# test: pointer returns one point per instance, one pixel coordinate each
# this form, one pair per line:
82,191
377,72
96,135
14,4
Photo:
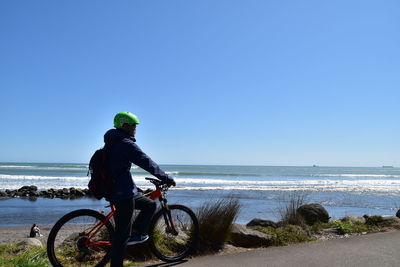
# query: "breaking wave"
359,185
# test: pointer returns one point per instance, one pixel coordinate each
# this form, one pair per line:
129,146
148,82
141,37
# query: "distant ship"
387,166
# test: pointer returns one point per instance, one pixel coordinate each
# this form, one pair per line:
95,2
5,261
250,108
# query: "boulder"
34,194
58,193
11,193
32,188
79,193
65,191
87,192
353,218
31,241
241,236
22,194
24,189
47,194
262,222
381,219
313,213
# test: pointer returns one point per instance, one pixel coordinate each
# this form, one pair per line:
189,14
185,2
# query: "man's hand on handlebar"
171,182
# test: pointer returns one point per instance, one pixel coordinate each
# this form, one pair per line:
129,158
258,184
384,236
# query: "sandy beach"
15,234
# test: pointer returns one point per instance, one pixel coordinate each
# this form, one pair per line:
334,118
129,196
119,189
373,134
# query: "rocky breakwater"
32,192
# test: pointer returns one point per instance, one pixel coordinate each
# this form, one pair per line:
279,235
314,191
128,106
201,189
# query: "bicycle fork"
169,221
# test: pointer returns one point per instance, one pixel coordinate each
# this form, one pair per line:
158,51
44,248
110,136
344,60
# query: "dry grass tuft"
215,221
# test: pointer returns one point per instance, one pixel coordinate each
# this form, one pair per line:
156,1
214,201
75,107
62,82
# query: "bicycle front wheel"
73,240
173,233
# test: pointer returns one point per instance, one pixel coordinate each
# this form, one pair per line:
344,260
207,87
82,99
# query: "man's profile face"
132,129
129,128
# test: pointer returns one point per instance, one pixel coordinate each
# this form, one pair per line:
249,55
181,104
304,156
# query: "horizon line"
237,165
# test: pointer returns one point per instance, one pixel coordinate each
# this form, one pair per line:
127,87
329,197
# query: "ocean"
263,191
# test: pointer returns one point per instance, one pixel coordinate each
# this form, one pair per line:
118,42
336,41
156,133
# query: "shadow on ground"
166,264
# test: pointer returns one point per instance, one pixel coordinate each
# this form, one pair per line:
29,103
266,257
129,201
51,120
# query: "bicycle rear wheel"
173,233
67,244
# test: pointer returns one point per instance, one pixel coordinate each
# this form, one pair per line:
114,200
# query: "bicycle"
84,236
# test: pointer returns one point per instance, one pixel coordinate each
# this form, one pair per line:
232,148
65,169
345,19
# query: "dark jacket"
121,153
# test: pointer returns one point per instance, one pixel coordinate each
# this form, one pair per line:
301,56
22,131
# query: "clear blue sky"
213,82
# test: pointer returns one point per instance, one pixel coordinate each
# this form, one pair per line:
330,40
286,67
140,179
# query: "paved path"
372,250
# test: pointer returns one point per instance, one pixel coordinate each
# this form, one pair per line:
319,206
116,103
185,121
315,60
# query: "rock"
24,188
51,193
34,194
313,213
241,236
79,193
262,222
59,193
47,194
31,242
22,194
353,218
398,213
390,219
3,194
32,188
12,193
65,191
87,192
330,231
381,219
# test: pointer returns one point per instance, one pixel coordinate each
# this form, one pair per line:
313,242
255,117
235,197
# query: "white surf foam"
344,185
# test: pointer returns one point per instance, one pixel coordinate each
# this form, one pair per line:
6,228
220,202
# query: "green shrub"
285,235
350,227
342,227
215,221
319,226
21,256
376,220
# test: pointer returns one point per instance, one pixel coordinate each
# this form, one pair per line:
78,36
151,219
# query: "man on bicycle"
121,153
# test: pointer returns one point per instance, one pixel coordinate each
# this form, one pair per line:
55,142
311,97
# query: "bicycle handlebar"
158,183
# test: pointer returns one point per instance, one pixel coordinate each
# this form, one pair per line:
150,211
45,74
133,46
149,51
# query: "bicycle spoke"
76,244
172,242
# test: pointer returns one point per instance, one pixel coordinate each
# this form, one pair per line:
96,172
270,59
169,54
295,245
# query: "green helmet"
125,117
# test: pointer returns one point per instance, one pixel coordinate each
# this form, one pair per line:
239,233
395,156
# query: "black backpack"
101,183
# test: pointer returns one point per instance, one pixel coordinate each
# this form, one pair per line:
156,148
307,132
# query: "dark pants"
147,208
123,224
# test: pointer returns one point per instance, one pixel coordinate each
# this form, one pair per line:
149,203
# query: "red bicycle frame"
90,243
